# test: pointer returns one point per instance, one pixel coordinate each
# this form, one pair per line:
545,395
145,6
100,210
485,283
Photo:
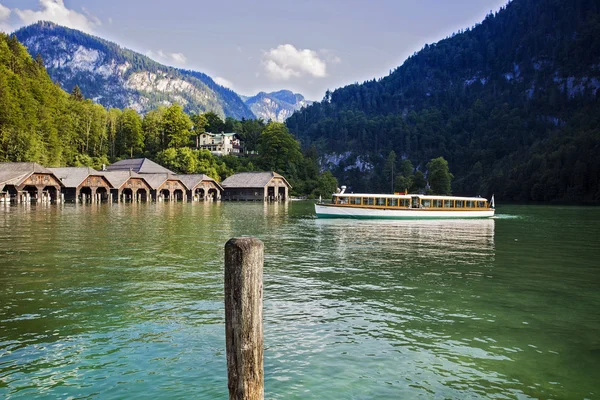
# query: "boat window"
437,203
426,203
392,202
470,204
380,201
448,203
342,200
368,201
404,202
460,203
355,200
481,204
415,202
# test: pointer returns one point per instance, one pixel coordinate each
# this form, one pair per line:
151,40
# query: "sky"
307,46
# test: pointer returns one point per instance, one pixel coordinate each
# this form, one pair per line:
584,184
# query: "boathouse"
256,186
201,187
139,166
166,187
83,184
128,186
27,181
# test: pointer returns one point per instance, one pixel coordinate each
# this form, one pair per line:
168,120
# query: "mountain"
121,78
513,104
276,106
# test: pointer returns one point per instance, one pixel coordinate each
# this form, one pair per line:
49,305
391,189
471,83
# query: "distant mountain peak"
276,106
117,77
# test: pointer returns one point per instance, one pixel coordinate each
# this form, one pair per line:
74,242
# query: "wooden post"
243,318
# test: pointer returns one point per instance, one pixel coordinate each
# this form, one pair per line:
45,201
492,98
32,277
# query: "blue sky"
307,46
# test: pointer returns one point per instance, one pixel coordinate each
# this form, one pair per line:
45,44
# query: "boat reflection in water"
441,238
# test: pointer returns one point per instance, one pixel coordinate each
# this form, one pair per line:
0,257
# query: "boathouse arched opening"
12,192
282,193
213,194
178,195
199,194
86,194
127,194
102,193
32,191
165,194
52,193
142,194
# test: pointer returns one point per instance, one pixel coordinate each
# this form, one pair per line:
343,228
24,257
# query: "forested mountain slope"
120,78
512,104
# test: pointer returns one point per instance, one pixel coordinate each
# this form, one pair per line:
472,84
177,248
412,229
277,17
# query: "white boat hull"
330,211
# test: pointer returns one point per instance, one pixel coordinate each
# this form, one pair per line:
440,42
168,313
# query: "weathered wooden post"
243,318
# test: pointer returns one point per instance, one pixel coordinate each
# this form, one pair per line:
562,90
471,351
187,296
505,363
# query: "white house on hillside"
219,143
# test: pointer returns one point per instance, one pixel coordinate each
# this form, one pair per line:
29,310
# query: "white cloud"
179,58
223,82
330,56
168,58
285,62
4,14
55,11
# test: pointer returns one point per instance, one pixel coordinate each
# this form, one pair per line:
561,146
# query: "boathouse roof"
72,177
251,180
119,178
156,180
193,180
15,173
140,166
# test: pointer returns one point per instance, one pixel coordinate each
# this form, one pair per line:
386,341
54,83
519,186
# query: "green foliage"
214,123
129,136
176,126
278,150
439,176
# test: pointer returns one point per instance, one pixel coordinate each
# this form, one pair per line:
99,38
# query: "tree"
76,93
418,182
214,123
154,133
389,170
439,176
326,185
176,126
278,149
130,133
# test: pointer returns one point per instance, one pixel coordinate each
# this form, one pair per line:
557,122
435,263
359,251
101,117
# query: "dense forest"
40,122
512,104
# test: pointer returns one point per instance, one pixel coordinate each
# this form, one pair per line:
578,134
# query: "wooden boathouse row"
131,180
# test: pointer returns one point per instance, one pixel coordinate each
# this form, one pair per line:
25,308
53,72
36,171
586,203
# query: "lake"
126,301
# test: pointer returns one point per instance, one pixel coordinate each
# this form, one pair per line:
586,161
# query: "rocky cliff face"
276,106
117,77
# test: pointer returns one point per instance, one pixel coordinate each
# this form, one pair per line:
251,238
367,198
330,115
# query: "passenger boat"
404,206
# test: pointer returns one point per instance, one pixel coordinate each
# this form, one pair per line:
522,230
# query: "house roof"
221,134
193,180
118,178
74,176
140,166
15,173
251,180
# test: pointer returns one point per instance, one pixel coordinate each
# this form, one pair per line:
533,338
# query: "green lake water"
126,301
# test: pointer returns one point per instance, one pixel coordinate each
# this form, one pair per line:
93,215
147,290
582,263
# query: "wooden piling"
243,318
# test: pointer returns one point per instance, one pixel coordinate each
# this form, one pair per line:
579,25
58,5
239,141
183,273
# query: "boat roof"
408,196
